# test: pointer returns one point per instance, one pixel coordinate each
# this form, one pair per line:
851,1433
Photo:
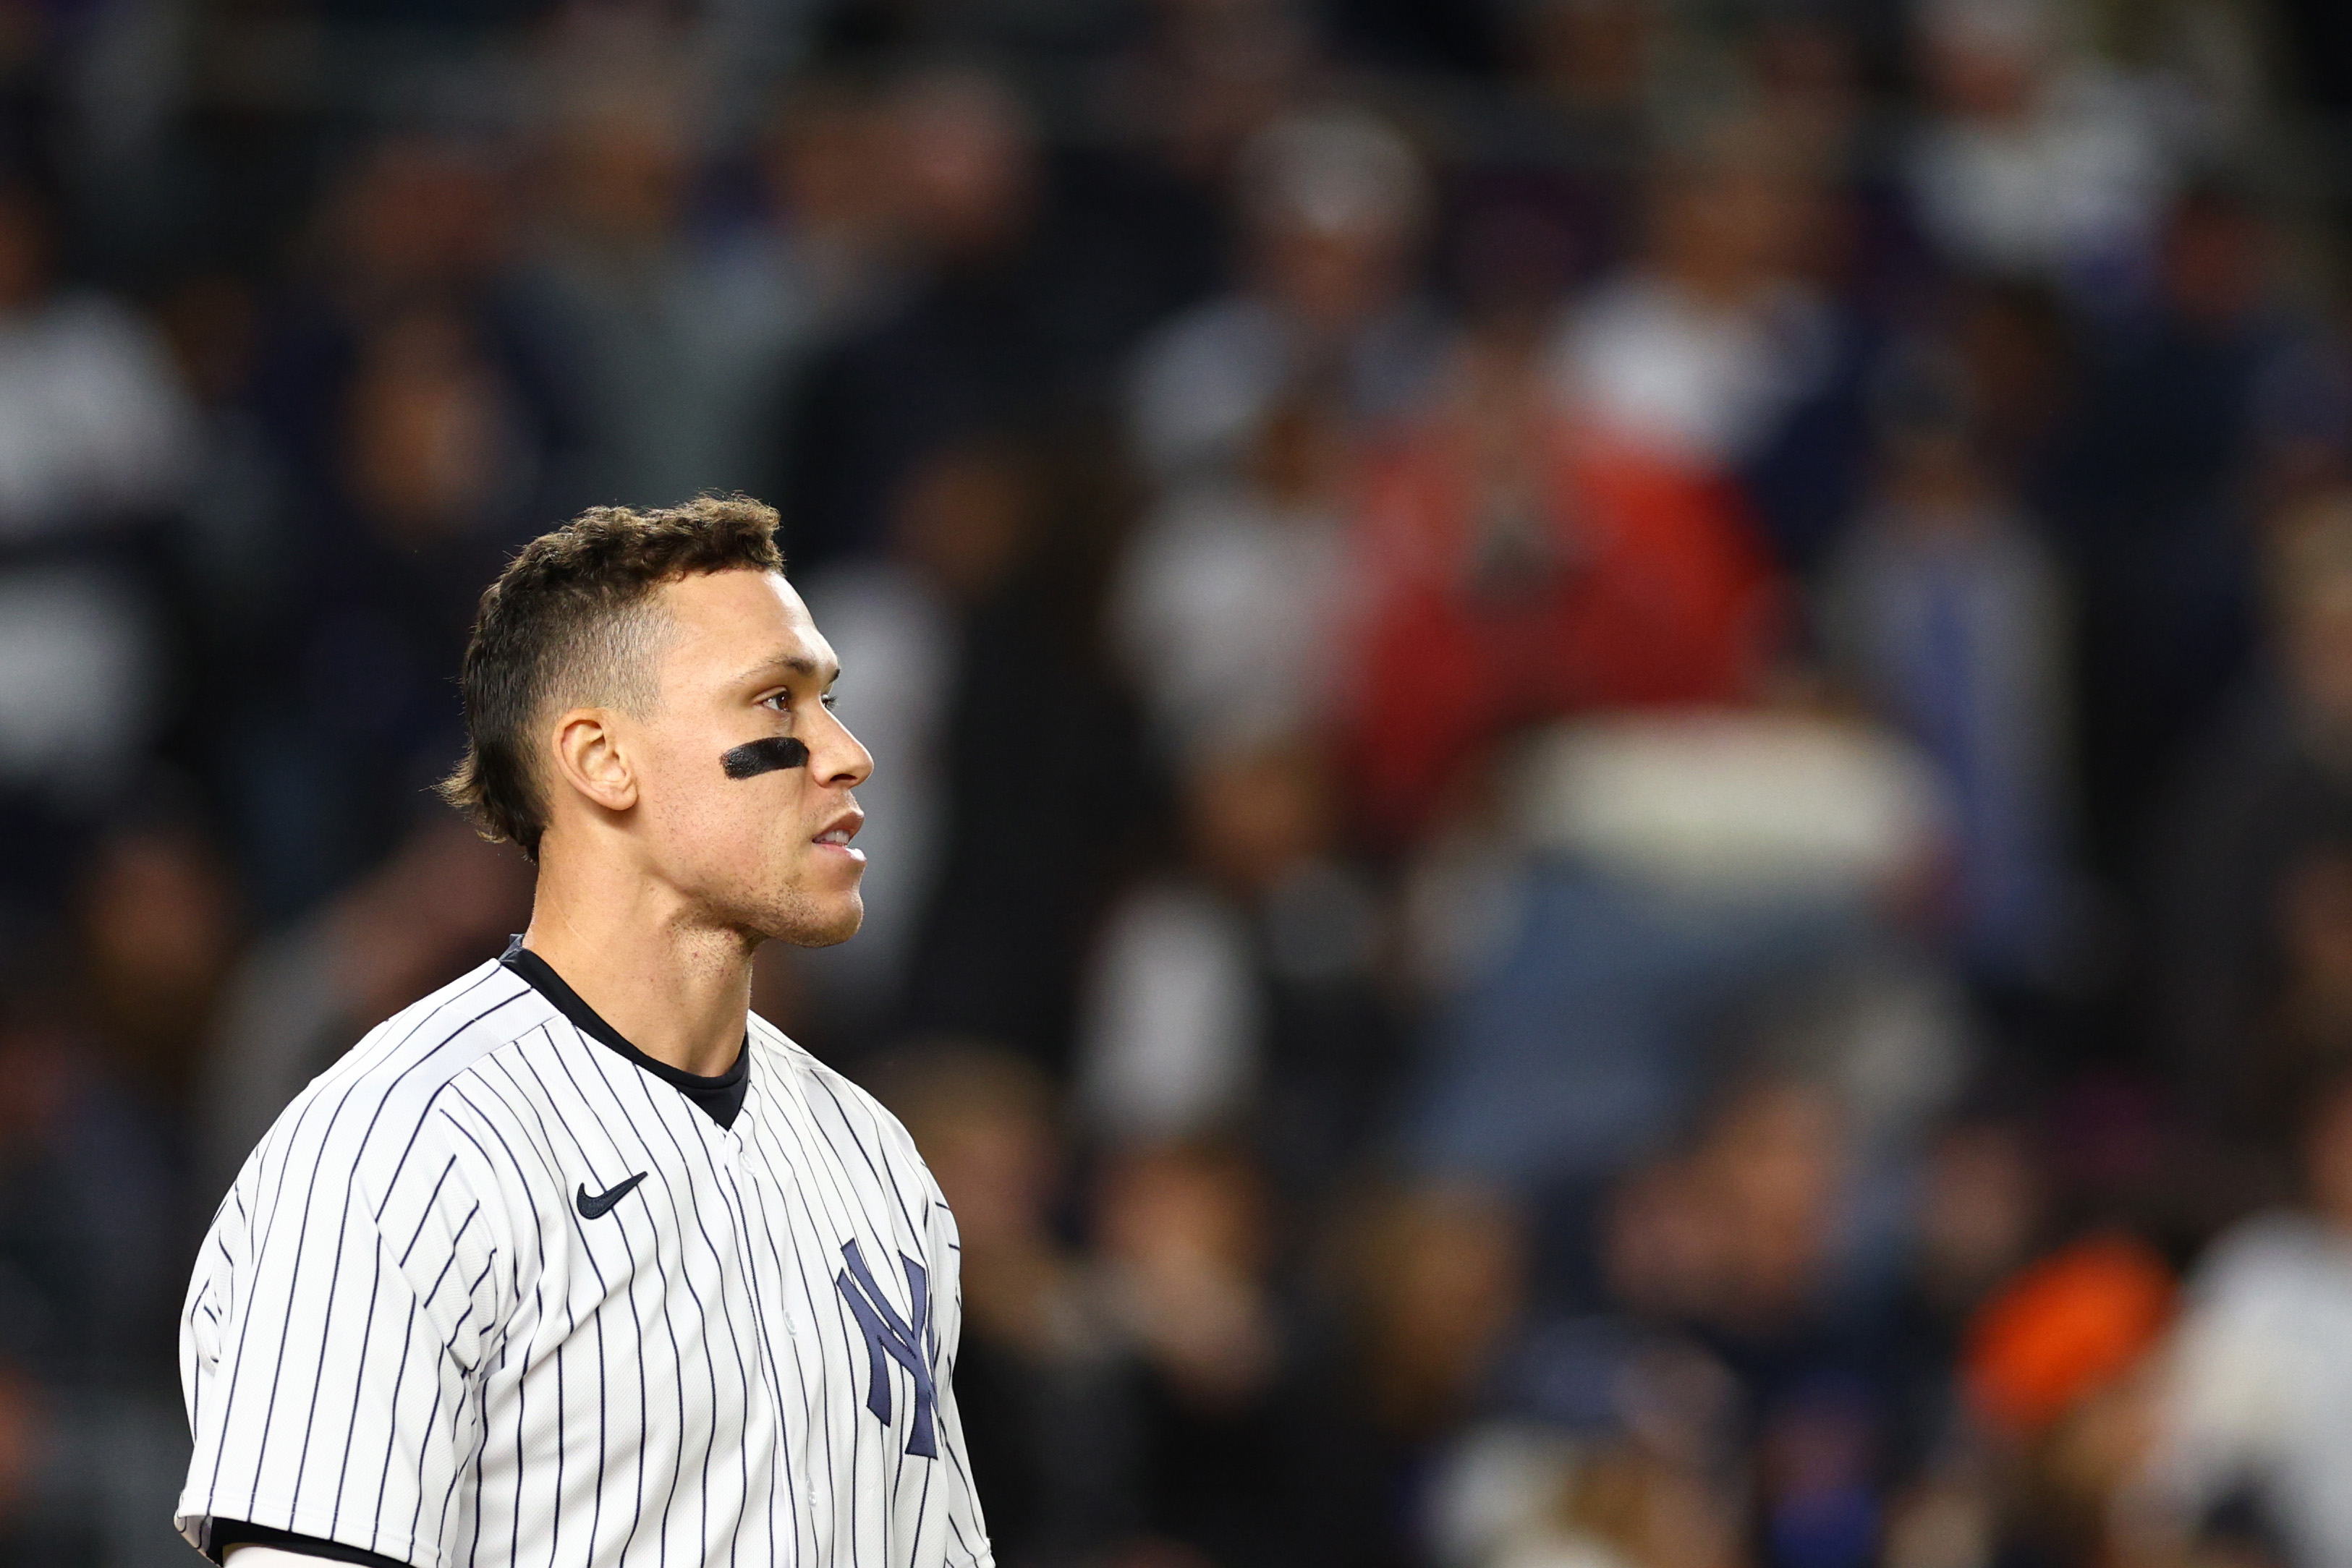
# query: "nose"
837,760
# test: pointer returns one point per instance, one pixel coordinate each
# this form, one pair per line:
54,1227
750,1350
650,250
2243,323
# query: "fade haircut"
572,623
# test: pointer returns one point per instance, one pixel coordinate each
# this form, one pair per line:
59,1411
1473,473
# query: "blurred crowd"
1613,815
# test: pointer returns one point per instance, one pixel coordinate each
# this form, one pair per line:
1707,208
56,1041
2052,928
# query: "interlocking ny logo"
888,1338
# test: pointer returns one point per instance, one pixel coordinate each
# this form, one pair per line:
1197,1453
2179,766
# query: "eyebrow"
797,664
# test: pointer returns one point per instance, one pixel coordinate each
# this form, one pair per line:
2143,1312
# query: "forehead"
725,624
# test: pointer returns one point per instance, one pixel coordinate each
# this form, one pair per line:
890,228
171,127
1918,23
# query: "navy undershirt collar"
719,1098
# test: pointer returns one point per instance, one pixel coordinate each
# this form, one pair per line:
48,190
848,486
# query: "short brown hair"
571,621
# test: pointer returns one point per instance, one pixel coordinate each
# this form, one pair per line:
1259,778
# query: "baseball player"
576,1262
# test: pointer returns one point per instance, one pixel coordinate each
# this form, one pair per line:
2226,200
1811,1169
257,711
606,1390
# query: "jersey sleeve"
335,1334
966,1544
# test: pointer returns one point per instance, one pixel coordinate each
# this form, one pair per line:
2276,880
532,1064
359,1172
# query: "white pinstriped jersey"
425,1325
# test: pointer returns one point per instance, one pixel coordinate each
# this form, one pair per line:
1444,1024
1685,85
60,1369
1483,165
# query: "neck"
676,986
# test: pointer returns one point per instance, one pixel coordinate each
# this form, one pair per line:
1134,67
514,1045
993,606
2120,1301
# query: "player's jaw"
812,873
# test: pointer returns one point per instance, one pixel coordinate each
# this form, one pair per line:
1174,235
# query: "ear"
591,759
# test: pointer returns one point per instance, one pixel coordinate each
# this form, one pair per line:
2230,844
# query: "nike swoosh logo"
602,1204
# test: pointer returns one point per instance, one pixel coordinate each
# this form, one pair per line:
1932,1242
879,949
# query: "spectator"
2062,1372
433,458
1333,207
2036,161
1596,64
2153,500
1659,880
1233,600
1707,352
159,928
1949,616
989,333
96,447
2251,1406
665,356
1241,995
1205,76
1437,1280
1003,716
1186,1240
964,525
414,223
2269,791
1524,565
755,306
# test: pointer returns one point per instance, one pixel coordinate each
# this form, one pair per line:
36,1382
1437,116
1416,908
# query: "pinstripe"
351,1428
821,1413
637,1517
384,1476
669,1500
425,1210
603,1291
725,1312
778,1452
725,1316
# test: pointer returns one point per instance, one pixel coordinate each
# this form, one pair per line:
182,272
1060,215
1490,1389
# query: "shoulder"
370,1110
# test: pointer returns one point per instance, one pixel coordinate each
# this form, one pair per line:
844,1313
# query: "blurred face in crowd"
158,933
1983,60
995,1160
1978,1215
963,519
1724,225
1740,1230
24,250
1777,1158
983,1118
767,855
966,166
418,217
1187,1226
2315,920
1592,56
2312,574
431,440
2327,1152
1229,67
1443,1278
1334,278
620,170
2216,260
1173,1209
1300,459
1259,813
820,163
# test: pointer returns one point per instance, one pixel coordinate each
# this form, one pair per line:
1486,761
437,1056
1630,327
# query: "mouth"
839,831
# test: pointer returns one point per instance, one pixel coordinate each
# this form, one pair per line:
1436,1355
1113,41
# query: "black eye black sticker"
754,758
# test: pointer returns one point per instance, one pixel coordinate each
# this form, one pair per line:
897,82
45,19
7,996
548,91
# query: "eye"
780,702
830,699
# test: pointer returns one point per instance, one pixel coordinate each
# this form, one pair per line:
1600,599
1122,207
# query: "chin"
815,923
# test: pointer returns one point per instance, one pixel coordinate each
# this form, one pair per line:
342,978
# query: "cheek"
704,806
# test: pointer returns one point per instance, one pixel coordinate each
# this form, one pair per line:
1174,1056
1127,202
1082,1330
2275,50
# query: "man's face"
768,855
